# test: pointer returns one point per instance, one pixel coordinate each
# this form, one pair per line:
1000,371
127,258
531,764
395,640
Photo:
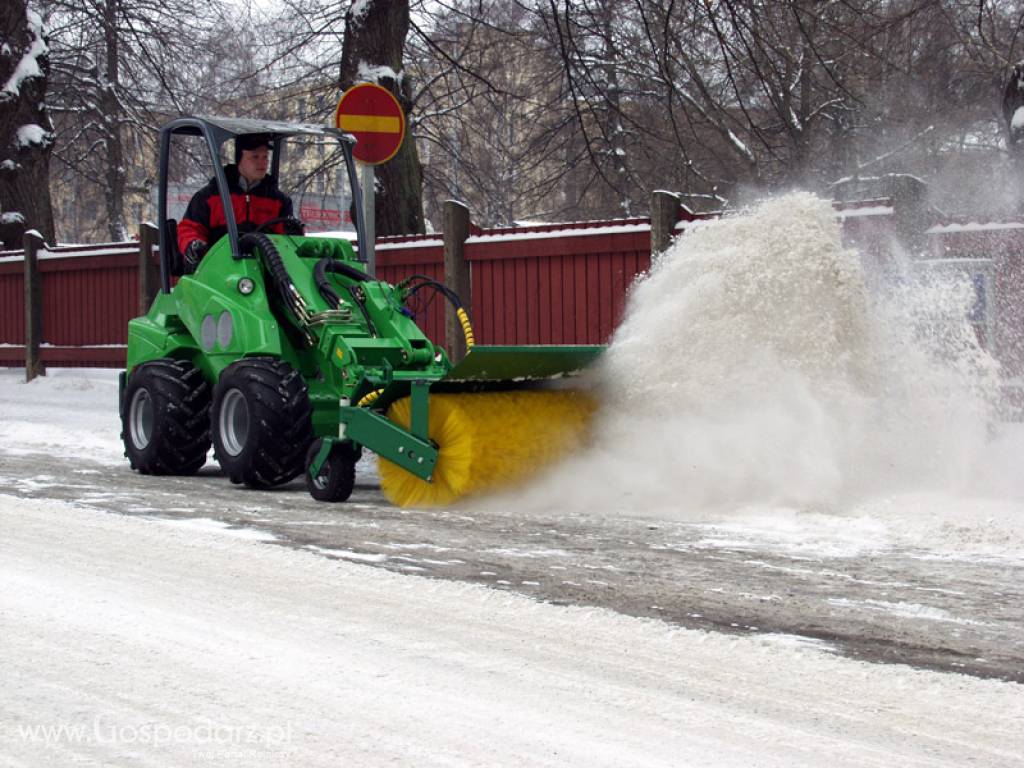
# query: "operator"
255,199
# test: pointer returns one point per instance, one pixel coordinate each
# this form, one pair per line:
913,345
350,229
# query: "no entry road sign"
373,115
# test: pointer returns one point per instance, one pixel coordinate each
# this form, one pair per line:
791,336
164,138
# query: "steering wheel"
292,225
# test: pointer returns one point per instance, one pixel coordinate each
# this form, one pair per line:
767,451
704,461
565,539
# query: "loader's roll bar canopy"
215,131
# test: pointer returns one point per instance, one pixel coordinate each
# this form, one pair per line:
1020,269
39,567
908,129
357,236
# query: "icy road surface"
863,598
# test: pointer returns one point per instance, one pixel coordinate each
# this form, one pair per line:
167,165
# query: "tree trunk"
613,97
372,52
111,116
1013,102
26,134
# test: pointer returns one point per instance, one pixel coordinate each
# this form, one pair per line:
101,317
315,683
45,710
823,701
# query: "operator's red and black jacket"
204,218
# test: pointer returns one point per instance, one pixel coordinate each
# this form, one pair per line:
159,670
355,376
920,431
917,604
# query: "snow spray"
754,367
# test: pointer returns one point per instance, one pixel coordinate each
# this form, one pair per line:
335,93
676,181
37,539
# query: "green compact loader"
289,357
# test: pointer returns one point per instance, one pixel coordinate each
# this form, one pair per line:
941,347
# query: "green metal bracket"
321,455
419,392
389,441
485,363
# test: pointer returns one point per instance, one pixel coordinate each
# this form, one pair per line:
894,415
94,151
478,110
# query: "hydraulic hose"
467,329
422,281
369,398
323,284
279,276
278,272
341,268
331,296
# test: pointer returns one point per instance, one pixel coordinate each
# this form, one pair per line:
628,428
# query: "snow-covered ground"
145,640
126,642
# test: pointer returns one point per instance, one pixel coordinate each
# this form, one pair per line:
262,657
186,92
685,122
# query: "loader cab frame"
215,132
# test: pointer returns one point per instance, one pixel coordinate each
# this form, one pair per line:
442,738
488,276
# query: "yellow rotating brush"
487,440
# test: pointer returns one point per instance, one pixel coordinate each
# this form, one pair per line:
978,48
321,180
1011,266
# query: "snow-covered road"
855,586
128,641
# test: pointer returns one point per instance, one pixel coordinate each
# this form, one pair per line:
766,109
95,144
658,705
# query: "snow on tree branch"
377,73
33,135
28,67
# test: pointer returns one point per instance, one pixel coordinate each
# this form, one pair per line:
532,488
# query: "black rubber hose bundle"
278,272
323,283
422,281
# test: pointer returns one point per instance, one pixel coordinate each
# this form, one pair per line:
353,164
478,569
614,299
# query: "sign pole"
367,180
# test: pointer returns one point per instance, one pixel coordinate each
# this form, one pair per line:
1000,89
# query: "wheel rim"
233,423
140,419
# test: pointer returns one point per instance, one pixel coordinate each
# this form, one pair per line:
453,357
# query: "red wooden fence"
994,253
402,257
90,292
563,286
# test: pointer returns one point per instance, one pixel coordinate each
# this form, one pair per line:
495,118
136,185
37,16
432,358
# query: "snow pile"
755,370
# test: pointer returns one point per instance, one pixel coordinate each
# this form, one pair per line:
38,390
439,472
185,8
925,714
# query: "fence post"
33,243
149,270
909,204
456,275
664,214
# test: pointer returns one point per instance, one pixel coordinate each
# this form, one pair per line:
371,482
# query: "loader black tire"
165,418
337,476
261,422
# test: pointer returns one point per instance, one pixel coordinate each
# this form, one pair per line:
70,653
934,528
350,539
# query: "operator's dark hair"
252,141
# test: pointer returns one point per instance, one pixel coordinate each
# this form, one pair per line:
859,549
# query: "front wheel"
337,475
165,418
262,422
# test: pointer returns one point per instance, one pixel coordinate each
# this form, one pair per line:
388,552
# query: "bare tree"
26,137
563,108
120,67
491,113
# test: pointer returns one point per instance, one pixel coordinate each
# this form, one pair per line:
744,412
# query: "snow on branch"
741,147
32,135
896,150
28,67
377,73
358,11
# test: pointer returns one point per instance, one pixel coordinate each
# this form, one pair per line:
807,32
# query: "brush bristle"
487,441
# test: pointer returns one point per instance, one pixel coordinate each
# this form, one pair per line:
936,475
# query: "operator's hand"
194,253
293,226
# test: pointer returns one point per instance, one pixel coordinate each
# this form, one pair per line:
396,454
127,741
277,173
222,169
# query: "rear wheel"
165,421
337,476
262,422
